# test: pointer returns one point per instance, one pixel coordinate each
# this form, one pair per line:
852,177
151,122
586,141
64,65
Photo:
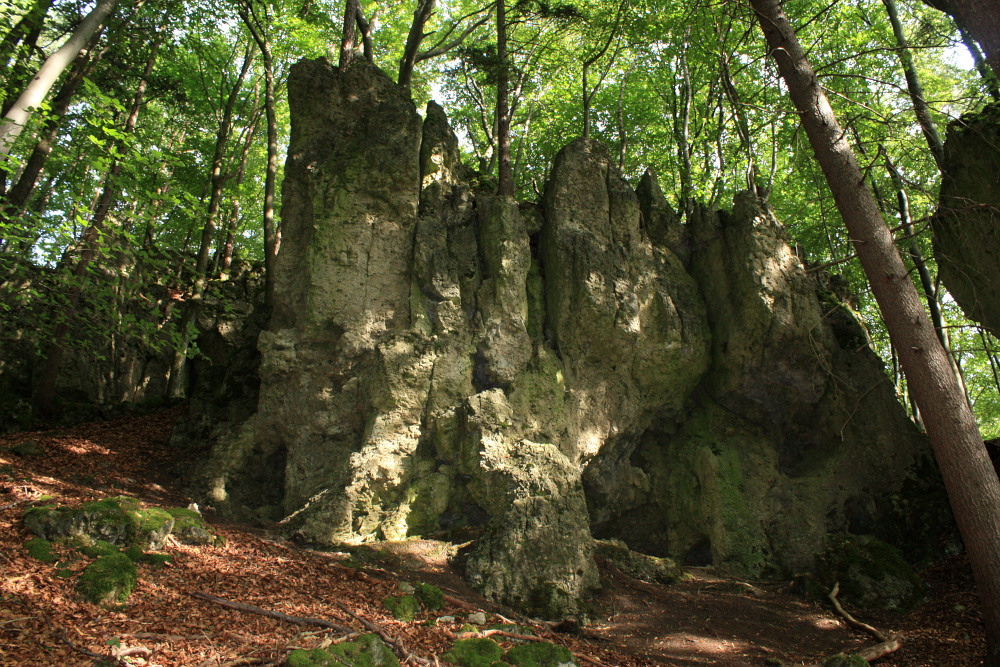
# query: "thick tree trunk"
505,187
35,92
348,42
972,485
420,17
982,19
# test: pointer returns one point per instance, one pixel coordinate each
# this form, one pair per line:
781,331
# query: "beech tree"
972,484
35,92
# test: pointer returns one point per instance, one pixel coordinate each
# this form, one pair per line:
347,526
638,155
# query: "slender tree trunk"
19,114
217,181
366,28
920,108
258,31
972,484
506,173
348,43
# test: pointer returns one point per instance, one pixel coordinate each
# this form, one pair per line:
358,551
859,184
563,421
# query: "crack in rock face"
444,361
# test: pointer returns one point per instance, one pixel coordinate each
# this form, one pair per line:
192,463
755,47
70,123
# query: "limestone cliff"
588,365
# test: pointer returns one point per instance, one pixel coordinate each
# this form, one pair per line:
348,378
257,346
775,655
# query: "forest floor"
706,620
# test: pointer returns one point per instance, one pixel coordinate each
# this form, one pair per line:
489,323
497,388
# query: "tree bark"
420,17
258,31
505,186
982,19
972,485
920,107
348,42
33,95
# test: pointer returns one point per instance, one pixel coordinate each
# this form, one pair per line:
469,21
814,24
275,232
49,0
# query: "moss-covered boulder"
431,596
476,652
190,528
638,565
366,651
540,654
40,550
845,660
120,521
402,608
967,223
110,578
871,573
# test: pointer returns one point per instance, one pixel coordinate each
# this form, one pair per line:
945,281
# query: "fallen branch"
297,620
870,653
850,619
397,646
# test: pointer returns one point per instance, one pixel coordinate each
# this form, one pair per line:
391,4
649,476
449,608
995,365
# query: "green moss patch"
366,651
41,550
513,628
431,596
98,549
478,652
539,654
403,608
109,578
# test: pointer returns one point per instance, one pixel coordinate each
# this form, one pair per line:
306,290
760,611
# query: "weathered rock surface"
967,223
443,358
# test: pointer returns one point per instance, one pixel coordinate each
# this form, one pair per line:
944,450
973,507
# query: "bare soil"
705,620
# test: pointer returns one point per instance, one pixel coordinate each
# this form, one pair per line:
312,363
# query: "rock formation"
967,224
587,366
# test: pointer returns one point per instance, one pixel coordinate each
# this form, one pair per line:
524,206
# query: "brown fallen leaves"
44,622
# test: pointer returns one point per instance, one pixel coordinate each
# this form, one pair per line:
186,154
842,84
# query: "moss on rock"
40,550
476,652
109,578
431,596
366,651
540,654
403,608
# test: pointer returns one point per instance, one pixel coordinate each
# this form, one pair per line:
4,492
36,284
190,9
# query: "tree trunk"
505,186
982,19
258,31
420,17
972,484
920,108
34,94
348,43
217,180
17,46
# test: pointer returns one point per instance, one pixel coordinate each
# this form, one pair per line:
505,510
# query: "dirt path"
706,620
